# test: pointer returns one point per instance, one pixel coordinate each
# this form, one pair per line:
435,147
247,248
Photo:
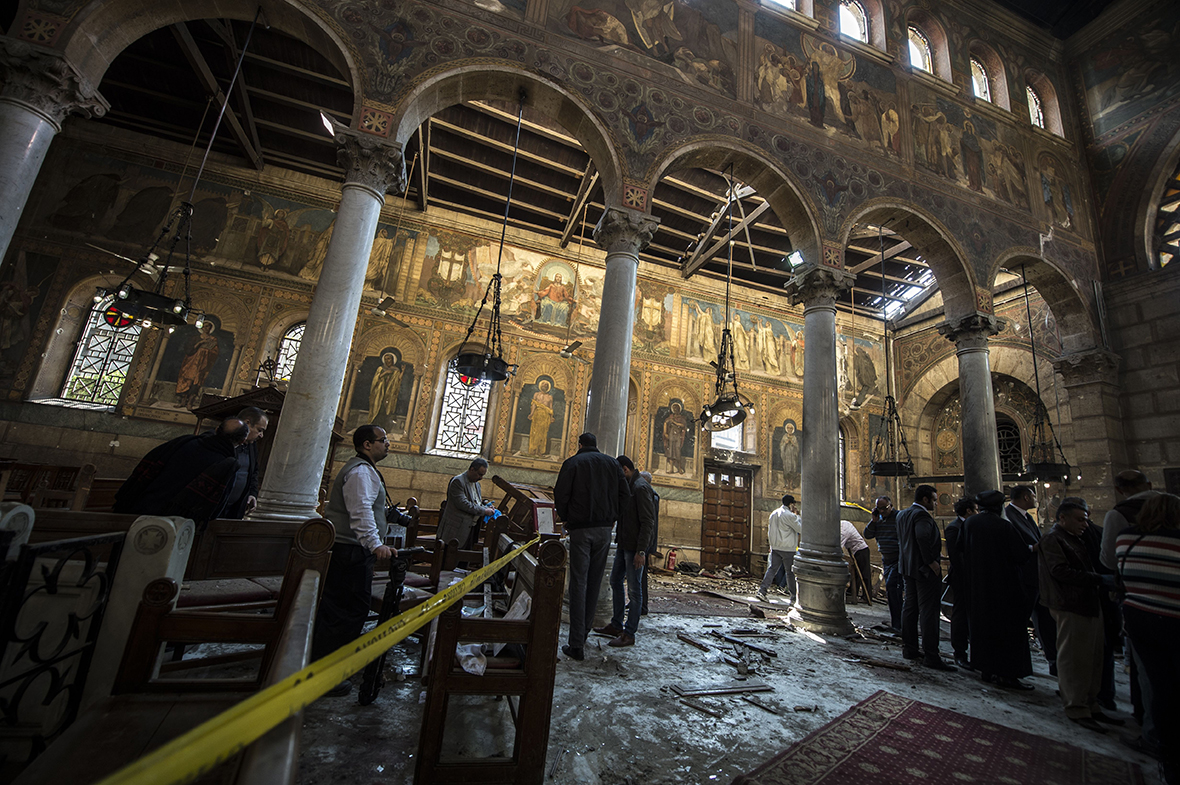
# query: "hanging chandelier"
889,444
487,363
729,407
1043,463
154,308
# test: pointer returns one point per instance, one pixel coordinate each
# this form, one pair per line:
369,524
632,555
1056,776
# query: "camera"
397,516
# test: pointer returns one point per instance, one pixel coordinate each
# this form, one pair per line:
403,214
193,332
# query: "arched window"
854,22
463,415
1167,222
288,350
1036,114
980,85
921,55
1011,456
842,467
103,359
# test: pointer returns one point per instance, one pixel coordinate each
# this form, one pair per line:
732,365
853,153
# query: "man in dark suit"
243,494
1022,499
961,588
921,566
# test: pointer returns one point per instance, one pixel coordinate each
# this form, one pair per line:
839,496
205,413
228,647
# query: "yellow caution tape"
857,506
217,740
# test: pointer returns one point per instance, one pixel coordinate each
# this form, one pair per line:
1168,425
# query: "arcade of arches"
865,187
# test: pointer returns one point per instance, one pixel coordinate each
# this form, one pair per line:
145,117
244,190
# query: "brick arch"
479,79
996,72
940,48
756,169
103,28
947,259
1072,307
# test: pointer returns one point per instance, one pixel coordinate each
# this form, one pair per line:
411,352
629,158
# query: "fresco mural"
382,392
802,75
540,417
860,370
1056,190
697,38
786,458
194,361
23,285
967,148
761,344
673,439
653,318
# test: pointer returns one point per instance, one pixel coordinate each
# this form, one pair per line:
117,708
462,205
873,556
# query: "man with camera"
357,508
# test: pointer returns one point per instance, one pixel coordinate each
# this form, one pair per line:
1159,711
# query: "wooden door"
725,530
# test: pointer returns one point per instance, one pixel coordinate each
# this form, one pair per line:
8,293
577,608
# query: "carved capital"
972,332
370,161
621,230
816,285
1088,366
42,80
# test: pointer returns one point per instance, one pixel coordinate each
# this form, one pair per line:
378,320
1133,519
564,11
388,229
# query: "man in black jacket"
883,528
637,523
921,564
589,493
243,494
960,586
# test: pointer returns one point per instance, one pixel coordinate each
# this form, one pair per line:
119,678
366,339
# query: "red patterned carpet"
889,740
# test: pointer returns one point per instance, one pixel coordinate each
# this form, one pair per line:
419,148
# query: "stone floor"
616,720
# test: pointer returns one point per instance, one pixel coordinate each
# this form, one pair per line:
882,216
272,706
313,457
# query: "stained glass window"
464,412
920,54
1011,458
853,22
1035,114
1167,221
288,351
103,358
979,83
842,478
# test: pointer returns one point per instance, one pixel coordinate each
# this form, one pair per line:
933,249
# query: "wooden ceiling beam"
533,127
877,257
225,32
424,164
504,147
306,73
585,188
497,196
534,184
698,258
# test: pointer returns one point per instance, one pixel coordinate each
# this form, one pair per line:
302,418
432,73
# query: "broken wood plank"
755,647
694,642
700,707
733,688
754,701
875,663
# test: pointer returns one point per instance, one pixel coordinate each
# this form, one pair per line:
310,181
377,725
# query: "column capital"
622,230
370,161
1087,367
818,285
44,81
972,332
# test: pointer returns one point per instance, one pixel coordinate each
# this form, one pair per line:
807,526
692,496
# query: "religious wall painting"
285,234
555,295
450,270
964,146
193,361
674,436
701,329
695,38
859,370
761,344
786,459
511,8
85,205
805,76
1056,191
385,258
945,438
1044,325
1133,71
540,418
24,283
653,317
382,392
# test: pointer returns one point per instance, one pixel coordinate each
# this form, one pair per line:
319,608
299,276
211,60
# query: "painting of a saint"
797,347
200,354
385,390
379,260
787,454
540,415
741,342
674,435
766,345
703,340
273,236
540,418
554,301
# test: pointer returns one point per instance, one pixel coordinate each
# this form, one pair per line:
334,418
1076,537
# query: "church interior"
962,214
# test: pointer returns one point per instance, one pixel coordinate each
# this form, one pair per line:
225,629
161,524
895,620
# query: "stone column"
38,88
1091,379
623,234
981,449
819,565
290,490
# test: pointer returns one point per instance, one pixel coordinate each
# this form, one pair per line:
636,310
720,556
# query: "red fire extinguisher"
670,561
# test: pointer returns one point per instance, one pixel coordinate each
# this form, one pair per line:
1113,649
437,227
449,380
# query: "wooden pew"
146,711
541,574
44,485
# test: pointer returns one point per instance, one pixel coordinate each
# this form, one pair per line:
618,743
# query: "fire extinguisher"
670,561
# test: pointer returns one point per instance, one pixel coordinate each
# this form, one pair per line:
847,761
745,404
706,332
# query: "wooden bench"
146,710
540,573
44,485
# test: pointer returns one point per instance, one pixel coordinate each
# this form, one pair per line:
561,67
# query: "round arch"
1144,239
752,167
947,260
103,28
469,80
1070,307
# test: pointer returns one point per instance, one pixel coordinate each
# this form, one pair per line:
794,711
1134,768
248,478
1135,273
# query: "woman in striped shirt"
1148,557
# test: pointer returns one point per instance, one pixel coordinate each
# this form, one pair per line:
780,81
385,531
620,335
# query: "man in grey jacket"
464,504
637,522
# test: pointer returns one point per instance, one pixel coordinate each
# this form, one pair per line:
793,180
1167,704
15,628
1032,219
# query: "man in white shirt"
783,531
356,507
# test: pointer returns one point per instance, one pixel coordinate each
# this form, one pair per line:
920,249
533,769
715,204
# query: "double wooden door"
725,530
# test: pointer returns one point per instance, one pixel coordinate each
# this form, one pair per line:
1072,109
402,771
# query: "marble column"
623,234
290,489
38,88
1090,376
820,569
981,448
